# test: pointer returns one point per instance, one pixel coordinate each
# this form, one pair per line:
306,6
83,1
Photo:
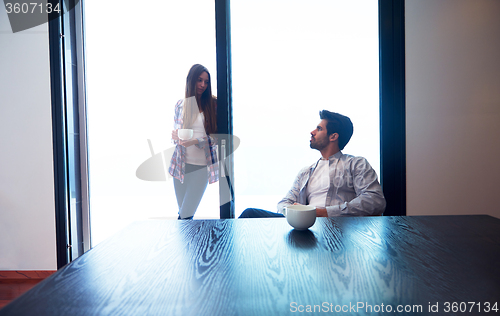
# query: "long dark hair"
207,103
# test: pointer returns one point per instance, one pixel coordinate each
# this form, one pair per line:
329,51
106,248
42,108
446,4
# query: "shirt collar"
331,159
335,156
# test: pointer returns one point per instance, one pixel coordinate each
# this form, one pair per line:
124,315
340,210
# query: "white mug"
301,217
185,133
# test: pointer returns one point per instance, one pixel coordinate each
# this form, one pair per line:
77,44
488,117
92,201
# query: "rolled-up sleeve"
369,198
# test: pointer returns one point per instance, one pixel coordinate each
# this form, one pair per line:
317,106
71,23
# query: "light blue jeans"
190,192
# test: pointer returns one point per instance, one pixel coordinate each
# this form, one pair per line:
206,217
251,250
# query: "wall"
27,217
453,106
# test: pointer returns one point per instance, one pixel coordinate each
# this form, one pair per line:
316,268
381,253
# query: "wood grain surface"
262,266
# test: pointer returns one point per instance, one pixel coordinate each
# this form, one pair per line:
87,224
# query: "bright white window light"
138,56
292,59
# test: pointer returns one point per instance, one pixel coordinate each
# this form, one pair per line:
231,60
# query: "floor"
15,283
11,289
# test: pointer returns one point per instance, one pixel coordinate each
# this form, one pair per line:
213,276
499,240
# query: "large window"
137,66
291,60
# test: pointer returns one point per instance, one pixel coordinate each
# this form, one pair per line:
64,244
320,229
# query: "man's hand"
321,212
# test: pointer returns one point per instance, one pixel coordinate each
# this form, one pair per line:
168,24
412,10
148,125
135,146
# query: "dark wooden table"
263,267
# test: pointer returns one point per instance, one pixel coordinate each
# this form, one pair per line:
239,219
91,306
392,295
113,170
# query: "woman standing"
194,162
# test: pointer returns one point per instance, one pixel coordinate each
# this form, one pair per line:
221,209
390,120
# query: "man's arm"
369,198
292,196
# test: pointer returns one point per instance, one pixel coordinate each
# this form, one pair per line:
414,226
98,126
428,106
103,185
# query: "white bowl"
301,217
185,133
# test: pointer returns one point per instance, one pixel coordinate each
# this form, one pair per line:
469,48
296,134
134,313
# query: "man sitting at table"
337,184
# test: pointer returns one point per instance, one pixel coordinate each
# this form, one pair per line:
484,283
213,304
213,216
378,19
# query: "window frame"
69,130
392,105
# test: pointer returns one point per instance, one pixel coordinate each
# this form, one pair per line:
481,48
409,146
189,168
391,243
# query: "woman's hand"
175,136
187,143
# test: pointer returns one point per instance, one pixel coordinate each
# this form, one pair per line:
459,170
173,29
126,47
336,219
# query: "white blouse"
195,155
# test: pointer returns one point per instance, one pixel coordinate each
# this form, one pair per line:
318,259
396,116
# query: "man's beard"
318,144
